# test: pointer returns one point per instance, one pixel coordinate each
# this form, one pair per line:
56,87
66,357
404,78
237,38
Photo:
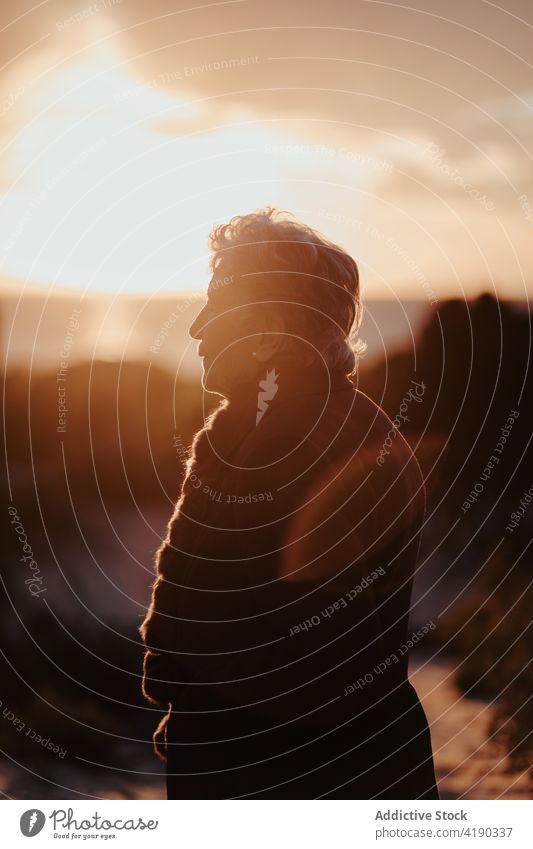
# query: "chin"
224,378
210,382
213,390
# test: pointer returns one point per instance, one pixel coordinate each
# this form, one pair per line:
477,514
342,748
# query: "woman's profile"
278,632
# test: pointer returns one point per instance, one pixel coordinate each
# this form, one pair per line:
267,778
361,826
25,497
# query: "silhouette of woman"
277,636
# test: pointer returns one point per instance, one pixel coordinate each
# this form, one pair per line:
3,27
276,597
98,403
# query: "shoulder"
305,421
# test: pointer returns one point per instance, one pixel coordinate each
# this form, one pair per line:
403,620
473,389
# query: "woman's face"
227,344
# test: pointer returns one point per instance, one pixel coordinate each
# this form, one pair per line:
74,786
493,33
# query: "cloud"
148,88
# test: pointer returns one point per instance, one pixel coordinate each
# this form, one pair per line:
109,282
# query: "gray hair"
316,282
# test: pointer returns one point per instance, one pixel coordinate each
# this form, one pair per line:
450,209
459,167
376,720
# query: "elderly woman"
278,632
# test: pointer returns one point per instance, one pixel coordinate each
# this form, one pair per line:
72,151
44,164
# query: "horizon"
154,327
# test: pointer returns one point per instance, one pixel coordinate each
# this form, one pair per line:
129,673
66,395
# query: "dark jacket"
278,629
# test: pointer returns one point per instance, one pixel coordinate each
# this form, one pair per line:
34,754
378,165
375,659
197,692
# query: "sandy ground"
467,766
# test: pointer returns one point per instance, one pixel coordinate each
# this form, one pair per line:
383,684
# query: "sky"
404,132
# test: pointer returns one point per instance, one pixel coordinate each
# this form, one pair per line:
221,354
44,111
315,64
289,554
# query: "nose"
196,328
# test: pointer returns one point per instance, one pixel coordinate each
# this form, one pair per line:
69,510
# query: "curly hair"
316,281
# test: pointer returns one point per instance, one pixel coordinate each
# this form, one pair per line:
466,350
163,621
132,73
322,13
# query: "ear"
273,337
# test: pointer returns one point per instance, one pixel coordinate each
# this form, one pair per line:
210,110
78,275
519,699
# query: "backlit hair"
271,242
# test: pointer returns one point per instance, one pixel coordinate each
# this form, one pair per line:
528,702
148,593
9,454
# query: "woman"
278,627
